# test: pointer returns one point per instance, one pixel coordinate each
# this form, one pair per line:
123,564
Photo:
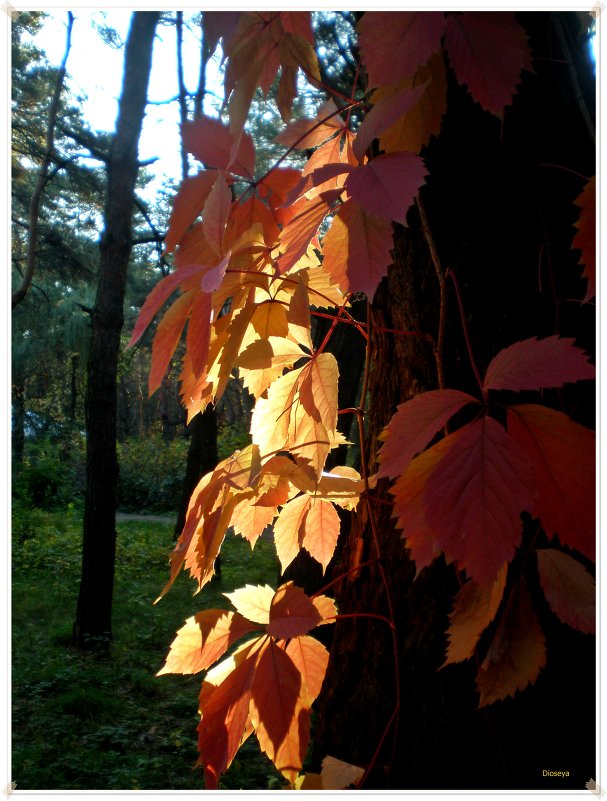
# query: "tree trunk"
93,615
494,213
202,457
18,422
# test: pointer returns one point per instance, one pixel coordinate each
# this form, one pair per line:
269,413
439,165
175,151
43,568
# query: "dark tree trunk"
494,214
94,611
202,457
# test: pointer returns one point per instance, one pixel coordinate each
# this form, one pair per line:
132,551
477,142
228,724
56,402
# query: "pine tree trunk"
94,611
493,215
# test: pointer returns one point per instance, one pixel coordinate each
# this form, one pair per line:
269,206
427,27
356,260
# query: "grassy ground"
105,722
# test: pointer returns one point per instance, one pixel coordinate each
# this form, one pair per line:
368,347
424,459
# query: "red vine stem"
329,333
343,576
358,325
477,375
362,614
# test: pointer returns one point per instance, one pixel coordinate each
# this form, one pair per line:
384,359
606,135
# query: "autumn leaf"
585,238
311,659
395,44
414,129
383,114
474,607
474,498
562,457
292,613
387,185
538,364
517,652
298,233
338,775
215,214
252,602
280,710
472,41
204,639
212,143
306,133
569,589
357,249
414,425
167,336
187,205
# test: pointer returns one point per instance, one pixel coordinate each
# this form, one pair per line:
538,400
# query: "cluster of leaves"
248,269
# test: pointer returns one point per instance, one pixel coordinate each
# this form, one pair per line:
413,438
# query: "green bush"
52,474
151,474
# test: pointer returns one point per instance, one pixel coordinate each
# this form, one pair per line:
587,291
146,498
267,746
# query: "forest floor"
102,720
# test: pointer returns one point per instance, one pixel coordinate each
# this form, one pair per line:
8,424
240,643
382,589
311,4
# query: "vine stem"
477,375
440,274
382,572
343,576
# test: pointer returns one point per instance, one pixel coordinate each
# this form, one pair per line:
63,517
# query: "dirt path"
123,517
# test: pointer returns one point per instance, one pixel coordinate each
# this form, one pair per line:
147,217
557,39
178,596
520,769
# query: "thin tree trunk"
43,174
94,611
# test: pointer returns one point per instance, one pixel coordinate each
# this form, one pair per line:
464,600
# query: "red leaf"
569,589
187,205
219,25
167,337
204,639
413,426
225,716
306,133
487,51
383,114
538,364
388,184
395,44
563,458
292,613
215,214
357,249
211,143
585,239
474,498
280,710
199,332
517,652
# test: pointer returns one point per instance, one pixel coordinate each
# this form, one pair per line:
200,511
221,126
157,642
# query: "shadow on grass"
103,721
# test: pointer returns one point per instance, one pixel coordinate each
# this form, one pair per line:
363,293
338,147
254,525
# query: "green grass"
85,720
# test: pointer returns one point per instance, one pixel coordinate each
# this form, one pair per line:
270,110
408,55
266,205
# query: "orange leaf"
311,658
585,239
413,426
563,460
357,249
318,389
517,652
204,639
270,320
289,529
198,337
292,613
569,589
280,710
252,602
383,114
412,131
297,234
249,519
264,360
307,133
474,608
321,531
338,775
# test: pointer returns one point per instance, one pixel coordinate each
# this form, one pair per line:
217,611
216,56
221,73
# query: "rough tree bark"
94,610
496,207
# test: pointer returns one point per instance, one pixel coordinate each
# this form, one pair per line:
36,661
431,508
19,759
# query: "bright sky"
96,69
